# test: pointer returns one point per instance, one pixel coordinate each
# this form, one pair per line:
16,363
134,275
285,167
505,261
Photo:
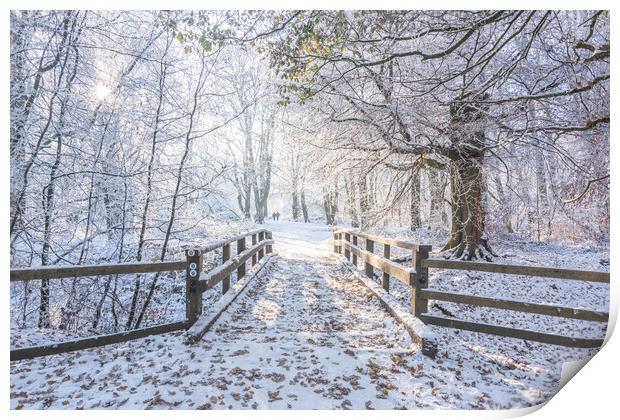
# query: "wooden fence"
197,282
347,242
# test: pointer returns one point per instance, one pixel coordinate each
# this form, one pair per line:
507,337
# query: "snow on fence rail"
195,285
346,241
524,270
59,271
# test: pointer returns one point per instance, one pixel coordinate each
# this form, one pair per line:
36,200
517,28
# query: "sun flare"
102,92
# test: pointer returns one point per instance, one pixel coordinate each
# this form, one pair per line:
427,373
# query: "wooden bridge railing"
197,283
346,241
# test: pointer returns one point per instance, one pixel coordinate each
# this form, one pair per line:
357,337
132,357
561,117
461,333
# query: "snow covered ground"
306,334
569,293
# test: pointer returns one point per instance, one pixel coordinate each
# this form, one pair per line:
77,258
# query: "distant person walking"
273,216
277,215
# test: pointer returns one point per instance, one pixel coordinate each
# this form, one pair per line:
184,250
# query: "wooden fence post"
225,257
354,255
254,256
385,278
269,248
335,242
370,247
193,298
419,280
347,253
261,252
240,249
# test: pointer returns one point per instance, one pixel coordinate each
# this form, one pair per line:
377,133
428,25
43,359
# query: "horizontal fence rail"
396,243
98,341
523,270
393,269
197,283
540,337
221,243
59,271
514,305
346,241
213,277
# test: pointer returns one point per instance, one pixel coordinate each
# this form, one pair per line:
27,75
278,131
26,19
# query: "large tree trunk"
468,239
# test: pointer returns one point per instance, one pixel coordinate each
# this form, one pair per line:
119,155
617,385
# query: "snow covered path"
304,338
304,334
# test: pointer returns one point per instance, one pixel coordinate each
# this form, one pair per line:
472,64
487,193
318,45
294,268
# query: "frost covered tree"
249,93
107,122
450,91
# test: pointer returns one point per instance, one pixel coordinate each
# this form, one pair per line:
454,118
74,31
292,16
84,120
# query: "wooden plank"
338,242
213,277
261,252
561,273
254,242
347,253
395,270
269,237
225,279
241,265
558,340
335,241
218,244
385,277
397,243
90,342
512,305
419,280
59,271
368,268
193,297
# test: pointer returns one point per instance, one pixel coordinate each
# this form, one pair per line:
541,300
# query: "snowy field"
306,334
